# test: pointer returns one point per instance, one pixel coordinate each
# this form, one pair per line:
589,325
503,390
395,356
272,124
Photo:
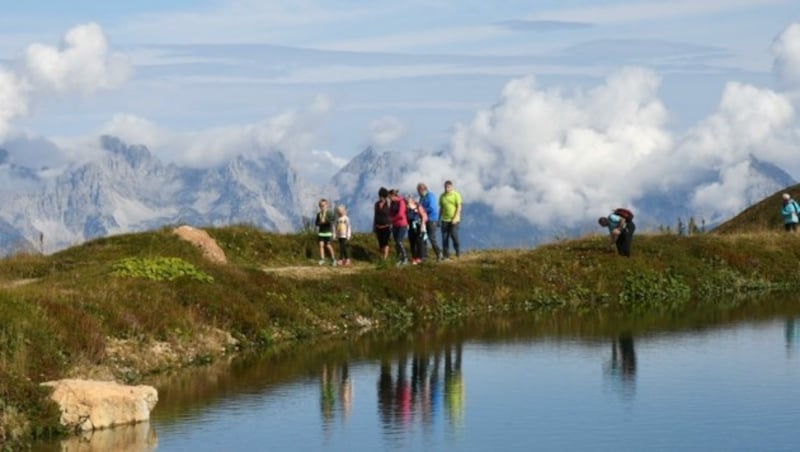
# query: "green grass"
153,286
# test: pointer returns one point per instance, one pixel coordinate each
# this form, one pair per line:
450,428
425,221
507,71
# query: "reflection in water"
454,385
336,390
622,368
405,399
125,438
792,337
205,406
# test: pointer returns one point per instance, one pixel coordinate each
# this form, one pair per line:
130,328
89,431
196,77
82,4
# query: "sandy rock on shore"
93,405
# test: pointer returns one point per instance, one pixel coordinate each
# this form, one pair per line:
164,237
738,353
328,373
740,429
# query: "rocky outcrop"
92,405
202,240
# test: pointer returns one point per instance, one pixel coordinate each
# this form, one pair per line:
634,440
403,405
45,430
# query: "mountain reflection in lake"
715,380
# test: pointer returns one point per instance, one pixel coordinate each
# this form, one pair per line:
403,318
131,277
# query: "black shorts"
383,235
324,239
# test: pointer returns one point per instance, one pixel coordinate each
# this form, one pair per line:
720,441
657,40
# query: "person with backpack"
430,204
790,212
417,218
620,229
397,212
382,222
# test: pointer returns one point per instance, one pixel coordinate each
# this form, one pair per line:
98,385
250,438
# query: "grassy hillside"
762,216
132,305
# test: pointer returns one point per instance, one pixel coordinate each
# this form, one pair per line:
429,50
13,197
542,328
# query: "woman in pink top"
397,211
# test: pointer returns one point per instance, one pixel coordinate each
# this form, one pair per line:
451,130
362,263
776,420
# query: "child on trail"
417,218
324,225
343,233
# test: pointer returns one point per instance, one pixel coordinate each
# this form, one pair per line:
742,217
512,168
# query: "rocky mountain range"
128,189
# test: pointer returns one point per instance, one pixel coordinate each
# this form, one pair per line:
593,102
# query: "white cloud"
629,11
135,130
786,49
385,131
13,100
543,153
726,196
417,39
83,64
242,20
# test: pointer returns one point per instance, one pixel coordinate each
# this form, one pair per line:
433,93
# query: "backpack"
382,215
624,213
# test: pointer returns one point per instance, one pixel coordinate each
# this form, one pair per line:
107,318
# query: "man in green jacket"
450,216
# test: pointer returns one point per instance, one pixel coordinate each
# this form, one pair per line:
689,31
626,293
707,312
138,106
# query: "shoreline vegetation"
132,306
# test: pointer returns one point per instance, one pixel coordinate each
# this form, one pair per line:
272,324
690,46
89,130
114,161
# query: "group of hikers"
395,218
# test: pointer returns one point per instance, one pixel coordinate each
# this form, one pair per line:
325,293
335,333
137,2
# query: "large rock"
200,238
92,405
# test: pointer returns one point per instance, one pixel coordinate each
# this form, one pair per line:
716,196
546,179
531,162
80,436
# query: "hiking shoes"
321,262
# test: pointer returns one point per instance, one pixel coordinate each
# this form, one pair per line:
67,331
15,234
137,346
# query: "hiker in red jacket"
397,211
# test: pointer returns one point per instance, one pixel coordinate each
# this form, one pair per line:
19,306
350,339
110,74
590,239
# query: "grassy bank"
127,306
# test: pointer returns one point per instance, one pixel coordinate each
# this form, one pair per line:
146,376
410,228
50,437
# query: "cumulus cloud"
786,49
385,131
83,63
13,100
542,153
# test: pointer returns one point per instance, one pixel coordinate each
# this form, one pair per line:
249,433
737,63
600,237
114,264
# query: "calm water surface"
717,382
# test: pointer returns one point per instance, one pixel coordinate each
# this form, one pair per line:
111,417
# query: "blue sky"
320,80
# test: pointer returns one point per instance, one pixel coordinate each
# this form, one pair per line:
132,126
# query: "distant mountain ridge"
128,189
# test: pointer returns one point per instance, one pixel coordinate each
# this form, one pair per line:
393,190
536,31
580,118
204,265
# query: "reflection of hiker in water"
345,391
623,357
385,393
403,393
421,387
622,366
327,394
335,382
453,385
790,330
435,386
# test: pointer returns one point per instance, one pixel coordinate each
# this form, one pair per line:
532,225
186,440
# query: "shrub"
158,269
